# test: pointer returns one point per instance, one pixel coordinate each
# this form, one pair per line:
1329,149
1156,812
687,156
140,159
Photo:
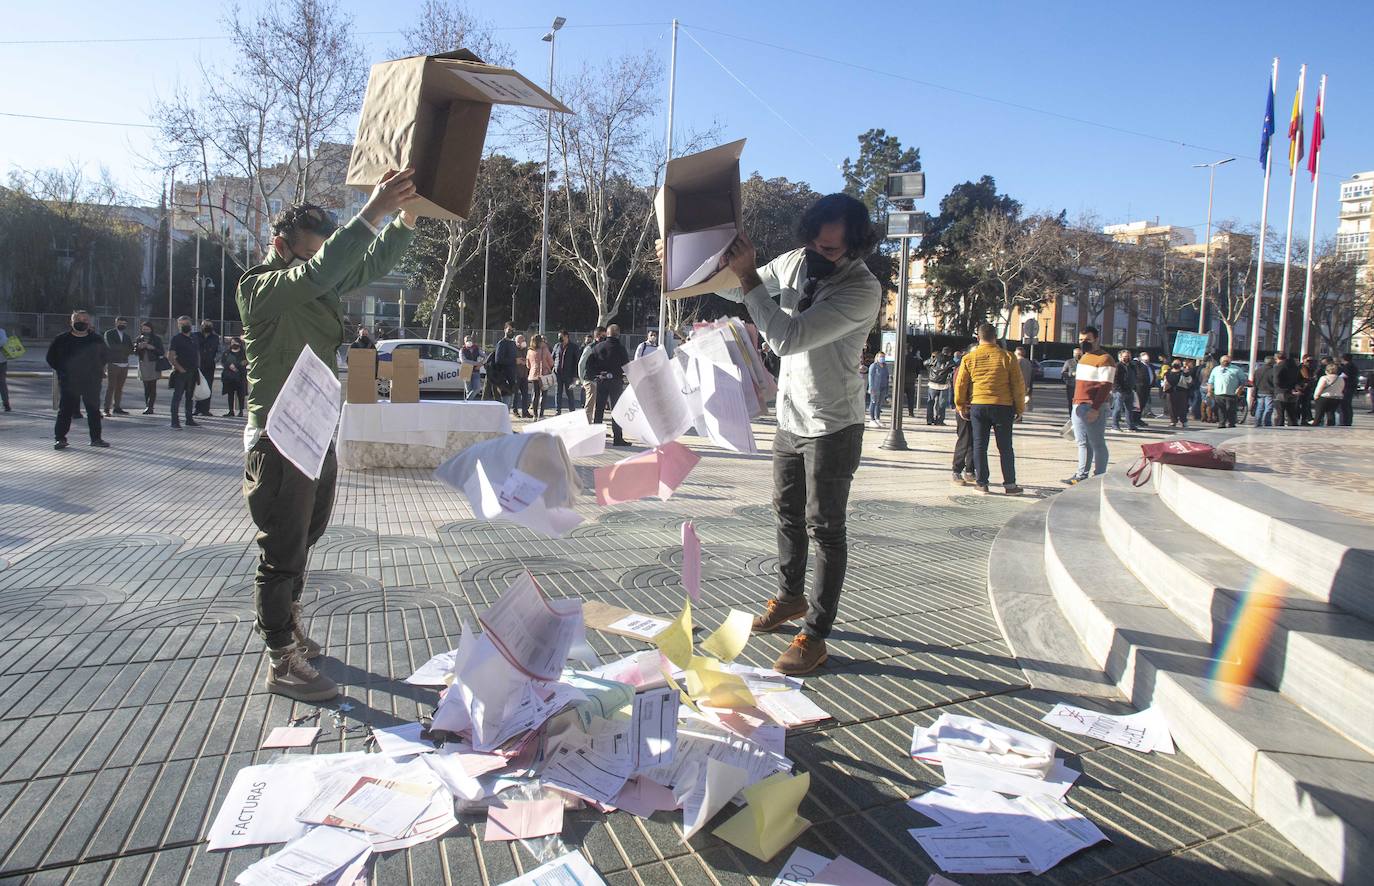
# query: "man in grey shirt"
814,307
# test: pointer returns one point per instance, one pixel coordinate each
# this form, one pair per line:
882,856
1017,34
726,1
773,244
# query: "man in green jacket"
290,301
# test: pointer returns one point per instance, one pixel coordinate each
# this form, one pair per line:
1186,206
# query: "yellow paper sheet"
728,641
770,821
675,641
708,684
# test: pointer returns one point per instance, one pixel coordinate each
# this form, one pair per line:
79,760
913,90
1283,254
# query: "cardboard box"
405,375
430,113
362,375
699,213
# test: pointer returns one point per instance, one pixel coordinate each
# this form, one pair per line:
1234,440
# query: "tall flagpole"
1312,225
672,87
1288,247
1264,227
171,248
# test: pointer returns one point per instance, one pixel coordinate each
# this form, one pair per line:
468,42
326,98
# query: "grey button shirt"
820,390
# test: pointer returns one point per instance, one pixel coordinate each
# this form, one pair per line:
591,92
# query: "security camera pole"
902,189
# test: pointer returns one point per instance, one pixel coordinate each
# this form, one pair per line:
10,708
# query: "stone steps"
1304,777
1317,655
1325,554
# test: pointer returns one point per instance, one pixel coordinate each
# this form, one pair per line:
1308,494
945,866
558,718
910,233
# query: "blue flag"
1268,129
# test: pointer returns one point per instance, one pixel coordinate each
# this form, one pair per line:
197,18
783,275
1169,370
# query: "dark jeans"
563,397
963,446
1226,410
234,391
291,512
4,384
1347,403
811,479
1325,408
150,394
935,406
69,403
909,394
183,385
989,421
607,393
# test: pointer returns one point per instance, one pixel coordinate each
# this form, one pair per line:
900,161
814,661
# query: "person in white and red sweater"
1094,378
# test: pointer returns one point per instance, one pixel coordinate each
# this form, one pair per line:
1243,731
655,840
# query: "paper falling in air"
305,415
708,684
654,472
291,737
675,641
729,640
580,437
691,561
708,793
770,821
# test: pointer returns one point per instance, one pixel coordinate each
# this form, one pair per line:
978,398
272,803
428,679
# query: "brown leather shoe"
778,614
802,657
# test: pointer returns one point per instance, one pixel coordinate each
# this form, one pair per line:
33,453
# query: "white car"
1052,370
439,364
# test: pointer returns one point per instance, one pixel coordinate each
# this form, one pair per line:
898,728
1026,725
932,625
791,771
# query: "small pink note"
691,561
519,819
654,472
291,737
643,797
843,872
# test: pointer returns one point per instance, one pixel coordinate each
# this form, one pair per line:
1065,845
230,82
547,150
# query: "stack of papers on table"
982,832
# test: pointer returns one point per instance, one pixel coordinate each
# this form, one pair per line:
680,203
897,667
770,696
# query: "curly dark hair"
859,236
303,218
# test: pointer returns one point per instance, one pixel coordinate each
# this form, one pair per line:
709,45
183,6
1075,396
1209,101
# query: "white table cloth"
415,435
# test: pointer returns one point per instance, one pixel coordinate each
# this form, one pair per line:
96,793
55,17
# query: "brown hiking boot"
292,676
802,657
778,614
308,647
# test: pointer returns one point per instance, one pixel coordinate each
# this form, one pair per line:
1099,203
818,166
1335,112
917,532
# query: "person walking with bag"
1328,395
208,345
152,362
293,300
540,361
185,356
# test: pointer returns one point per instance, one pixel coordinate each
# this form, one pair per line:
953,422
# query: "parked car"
439,364
1052,370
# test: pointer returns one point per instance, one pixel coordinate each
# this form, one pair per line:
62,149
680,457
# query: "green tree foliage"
961,294
866,180
772,208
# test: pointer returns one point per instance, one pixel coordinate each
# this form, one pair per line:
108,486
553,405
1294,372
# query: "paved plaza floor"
131,680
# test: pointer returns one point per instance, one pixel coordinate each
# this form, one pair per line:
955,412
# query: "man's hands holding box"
395,192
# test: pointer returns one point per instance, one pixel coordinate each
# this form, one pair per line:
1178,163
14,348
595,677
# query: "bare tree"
1230,284
443,27
1342,303
272,117
605,210
1019,258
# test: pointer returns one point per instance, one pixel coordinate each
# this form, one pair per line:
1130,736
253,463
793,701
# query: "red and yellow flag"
1318,133
1295,134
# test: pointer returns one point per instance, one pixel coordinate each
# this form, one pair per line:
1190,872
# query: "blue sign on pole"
1190,344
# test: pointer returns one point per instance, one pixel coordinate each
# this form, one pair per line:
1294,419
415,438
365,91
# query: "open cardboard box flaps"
430,113
700,191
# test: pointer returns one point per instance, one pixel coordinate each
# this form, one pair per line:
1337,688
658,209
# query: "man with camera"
289,302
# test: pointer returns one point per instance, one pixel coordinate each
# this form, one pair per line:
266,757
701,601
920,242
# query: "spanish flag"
1318,133
1295,133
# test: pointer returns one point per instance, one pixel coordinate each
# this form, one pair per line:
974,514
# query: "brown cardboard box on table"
405,375
362,375
698,211
430,113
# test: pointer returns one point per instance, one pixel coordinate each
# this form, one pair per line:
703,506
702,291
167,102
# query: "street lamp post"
548,38
902,187
1207,249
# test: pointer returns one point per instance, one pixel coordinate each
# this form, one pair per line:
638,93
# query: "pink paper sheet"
519,819
691,561
654,472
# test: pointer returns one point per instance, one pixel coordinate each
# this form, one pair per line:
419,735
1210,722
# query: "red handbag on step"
1188,453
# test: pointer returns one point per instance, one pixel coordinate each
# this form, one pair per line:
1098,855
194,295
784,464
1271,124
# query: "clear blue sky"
1181,72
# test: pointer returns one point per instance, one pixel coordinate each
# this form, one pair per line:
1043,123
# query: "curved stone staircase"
1149,579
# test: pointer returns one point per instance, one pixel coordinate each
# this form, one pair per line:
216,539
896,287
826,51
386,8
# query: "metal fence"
45,327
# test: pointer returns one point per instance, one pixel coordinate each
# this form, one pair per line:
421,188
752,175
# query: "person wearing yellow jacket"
991,394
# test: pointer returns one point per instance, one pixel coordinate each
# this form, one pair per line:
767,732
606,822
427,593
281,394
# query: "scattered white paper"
576,767
1143,731
261,806
1056,784
291,737
646,626
533,632
712,786
806,868
402,741
580,437
655,728
976,741
438,671
520,491
312,858
491,503
386,808
566,870
305,415
725,414
974,850
789,707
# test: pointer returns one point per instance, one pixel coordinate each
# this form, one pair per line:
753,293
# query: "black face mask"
121,327
186,327
1086,344
818,267
79,326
